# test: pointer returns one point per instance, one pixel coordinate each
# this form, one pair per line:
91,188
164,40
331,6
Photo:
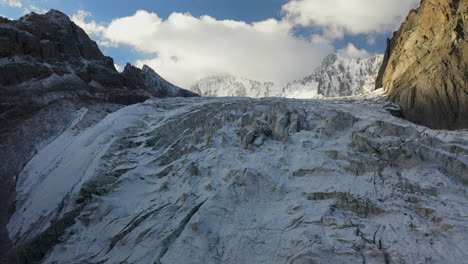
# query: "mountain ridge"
335,77
50,68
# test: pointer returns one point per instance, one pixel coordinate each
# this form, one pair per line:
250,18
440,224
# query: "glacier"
241,180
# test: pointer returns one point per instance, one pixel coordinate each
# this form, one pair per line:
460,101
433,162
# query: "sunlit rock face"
235,180
425,68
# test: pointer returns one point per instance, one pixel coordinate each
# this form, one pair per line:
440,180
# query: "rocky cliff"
425,69
49,69
336,76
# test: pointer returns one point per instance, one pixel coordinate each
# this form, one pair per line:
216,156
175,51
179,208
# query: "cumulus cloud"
340,17
184,48
371,40
34,8
12,3
92,27
351,52
119,68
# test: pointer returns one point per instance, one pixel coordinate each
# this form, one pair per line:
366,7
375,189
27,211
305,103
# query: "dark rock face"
47,36
49,69
425,66
157,85
147,79
37,46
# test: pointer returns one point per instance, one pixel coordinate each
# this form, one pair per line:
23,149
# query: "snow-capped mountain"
336,76
228,85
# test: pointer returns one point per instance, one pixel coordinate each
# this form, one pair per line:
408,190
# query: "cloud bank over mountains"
184,48
339,17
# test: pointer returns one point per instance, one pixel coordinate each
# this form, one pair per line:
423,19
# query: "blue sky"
342,26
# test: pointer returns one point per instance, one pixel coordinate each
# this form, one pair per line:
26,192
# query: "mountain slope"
426,65
148,80
49,69
336,77
237,180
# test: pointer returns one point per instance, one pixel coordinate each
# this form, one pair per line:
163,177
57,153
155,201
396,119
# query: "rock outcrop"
425,69
49,69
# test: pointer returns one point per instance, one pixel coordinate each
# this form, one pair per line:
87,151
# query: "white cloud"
5,16
12,3
119,68
184,48
92,27
340,17
35,9
371,40
351,52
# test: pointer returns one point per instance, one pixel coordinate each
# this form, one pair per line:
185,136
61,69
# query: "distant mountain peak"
147,68
336,76
229,85
330,59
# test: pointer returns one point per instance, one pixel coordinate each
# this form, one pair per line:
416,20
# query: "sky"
265,40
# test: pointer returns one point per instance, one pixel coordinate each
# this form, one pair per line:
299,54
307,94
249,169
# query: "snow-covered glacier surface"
237,180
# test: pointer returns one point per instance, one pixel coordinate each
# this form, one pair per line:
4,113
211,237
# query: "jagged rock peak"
38,46
147,68
330,59
41,45
147,79
54,16
46,36
425,67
